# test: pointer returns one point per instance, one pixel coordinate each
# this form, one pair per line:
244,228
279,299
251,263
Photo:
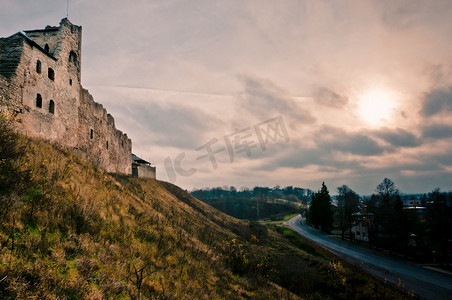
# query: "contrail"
168,90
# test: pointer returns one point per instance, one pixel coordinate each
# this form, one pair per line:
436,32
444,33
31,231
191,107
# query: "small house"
142,168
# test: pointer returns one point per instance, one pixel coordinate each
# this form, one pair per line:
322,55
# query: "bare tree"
347,202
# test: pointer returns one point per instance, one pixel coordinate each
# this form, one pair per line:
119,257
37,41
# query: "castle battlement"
40,79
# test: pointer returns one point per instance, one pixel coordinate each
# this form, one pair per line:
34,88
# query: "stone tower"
40,79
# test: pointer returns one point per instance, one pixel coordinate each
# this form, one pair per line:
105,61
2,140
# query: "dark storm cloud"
327,97
355,144
437,101
438,160
328,140
398,137
443,159
334,138
264,100
437,131
302,157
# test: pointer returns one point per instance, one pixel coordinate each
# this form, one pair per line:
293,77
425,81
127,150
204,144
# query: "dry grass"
69,230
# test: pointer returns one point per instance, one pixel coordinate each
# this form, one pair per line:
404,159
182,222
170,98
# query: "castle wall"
99,138
43,37
10,53
4,88
65,43
11,83
143,171
55,118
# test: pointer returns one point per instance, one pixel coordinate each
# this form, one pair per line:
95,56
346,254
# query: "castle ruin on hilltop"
40,80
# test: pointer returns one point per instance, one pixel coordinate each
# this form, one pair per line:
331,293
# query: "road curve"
425,283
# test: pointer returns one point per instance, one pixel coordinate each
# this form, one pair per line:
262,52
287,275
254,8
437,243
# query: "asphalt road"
426,283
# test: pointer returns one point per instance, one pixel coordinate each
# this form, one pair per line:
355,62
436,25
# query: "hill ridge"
70,230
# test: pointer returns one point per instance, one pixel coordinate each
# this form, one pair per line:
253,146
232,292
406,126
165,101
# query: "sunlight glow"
376,107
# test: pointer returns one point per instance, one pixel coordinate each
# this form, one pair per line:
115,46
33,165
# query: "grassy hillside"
69,230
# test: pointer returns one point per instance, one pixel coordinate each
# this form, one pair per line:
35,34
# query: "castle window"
70,81
107,145
46,47
91,134
52,107
38,100
38,67
73,57
51,74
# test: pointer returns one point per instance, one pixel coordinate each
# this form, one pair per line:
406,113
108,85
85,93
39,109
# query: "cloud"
302,48
303,157
265,100
439,74
437,101
398,137
179,125
437,131
337,139
444,159
334,147
356,144
327,97
408,14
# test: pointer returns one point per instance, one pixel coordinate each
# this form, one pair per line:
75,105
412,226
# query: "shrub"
11,149
84,218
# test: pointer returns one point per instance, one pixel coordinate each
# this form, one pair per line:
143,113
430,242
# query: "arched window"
38,67
51,74
70,81
91,134
46,47
38,100
107,145
52,107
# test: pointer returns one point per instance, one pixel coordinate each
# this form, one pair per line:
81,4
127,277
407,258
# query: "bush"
11,149
83,218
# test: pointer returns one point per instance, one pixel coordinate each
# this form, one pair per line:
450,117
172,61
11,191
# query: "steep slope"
69,230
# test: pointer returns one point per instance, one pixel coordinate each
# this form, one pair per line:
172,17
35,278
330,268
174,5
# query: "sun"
376,107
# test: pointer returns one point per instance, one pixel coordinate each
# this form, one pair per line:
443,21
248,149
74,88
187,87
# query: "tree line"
420,232
254,204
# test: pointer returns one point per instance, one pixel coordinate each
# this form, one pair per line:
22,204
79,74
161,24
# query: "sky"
264,93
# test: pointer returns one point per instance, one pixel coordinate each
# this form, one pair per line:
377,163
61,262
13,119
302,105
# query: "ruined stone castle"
40,81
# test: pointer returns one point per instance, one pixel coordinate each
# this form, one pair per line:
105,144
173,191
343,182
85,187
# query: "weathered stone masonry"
40,79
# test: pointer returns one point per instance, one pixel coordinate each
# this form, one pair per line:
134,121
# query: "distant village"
415,225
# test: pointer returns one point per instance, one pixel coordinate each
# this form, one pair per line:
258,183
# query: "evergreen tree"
320,214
